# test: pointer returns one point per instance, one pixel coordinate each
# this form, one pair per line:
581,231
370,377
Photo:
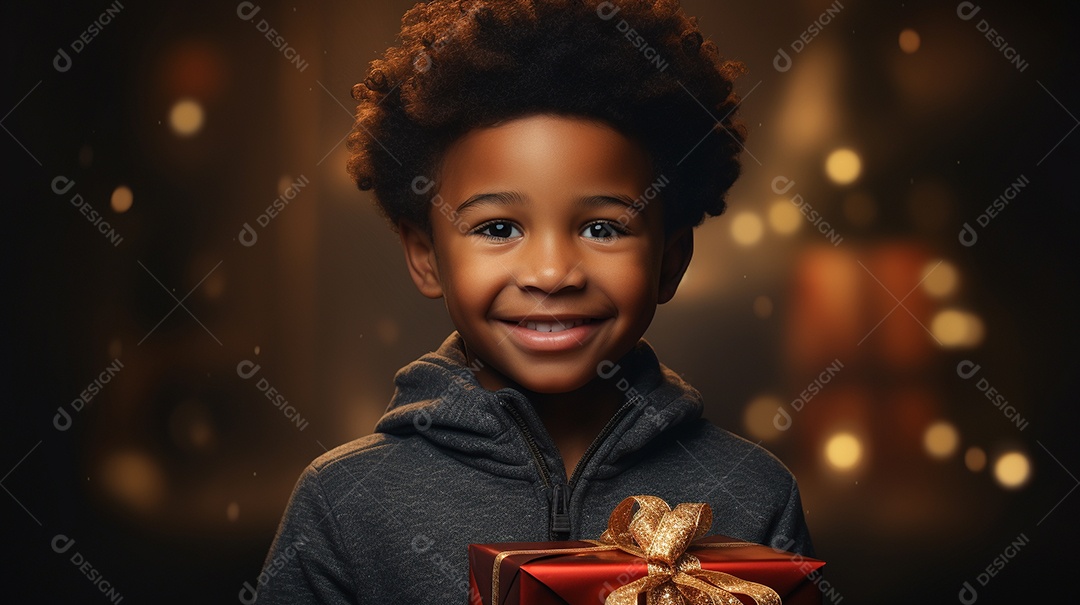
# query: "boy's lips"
554,326
552,333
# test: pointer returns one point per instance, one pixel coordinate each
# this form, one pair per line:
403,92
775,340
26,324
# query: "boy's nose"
551,264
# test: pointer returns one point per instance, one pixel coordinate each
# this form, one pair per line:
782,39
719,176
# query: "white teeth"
545,326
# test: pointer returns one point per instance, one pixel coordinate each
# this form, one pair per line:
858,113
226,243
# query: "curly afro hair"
641,66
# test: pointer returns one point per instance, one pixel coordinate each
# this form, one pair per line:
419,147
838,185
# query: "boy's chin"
555,388
553,381
547,375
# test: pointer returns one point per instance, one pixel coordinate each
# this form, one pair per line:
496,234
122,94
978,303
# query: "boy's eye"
603,230
498,230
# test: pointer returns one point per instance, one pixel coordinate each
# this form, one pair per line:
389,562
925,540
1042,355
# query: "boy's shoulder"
353,452
374,461
729,454
353,455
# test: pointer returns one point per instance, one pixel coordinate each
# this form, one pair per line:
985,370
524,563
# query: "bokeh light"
191,426
759,415
86,156
186,117
121,199
975,459
285,182
808,115
134,479
763,307
910,41
214,285
940,278
1012,470
116,347
195,68
957,329
941,439
747,228
388,330
784,217
843,166
843,451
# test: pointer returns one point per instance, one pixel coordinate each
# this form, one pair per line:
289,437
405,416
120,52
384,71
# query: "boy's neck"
573,419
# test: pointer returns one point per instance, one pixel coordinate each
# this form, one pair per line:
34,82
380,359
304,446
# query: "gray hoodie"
387,518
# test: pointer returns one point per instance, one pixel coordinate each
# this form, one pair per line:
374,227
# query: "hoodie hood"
438,398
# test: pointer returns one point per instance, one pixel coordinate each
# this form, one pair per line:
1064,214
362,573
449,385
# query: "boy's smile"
546,266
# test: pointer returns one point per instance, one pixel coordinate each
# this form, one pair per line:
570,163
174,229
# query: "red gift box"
533,573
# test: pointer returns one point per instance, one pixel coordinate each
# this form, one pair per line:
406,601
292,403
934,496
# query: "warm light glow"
214,284
284,182
975,459
135,479
809,113
232,512
704,281
1012,470
186,117
191,426
759,415
784,217
747,229
843,451
940,278
763,307
941,439
909,41
86,156
121,199
116,347
843,166
957,328
388,331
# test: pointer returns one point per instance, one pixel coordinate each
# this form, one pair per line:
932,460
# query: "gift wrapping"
656,554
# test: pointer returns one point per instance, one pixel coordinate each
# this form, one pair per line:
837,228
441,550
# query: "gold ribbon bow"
661,535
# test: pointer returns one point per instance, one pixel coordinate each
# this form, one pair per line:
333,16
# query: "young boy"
544,162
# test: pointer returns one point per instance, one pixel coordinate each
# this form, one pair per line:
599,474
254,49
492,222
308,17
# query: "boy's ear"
678,249
420,257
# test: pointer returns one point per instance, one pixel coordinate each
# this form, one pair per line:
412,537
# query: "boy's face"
546,265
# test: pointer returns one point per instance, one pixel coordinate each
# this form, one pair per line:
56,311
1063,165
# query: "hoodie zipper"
530,441
559,496
558,502
595,445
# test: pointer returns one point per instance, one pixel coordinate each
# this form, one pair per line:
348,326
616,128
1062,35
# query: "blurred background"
888,305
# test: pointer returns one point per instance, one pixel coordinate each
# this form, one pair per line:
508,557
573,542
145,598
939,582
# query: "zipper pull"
560,509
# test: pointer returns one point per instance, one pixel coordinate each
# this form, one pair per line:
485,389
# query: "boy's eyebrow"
506,198
500,198
616,199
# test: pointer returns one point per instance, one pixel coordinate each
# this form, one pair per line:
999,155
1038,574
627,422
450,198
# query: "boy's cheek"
629,275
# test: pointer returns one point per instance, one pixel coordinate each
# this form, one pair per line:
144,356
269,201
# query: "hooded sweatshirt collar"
438,398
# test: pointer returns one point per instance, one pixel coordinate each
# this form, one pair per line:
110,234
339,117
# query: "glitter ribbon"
661,536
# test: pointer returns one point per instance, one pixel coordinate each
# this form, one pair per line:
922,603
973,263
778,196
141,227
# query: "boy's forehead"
544,152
